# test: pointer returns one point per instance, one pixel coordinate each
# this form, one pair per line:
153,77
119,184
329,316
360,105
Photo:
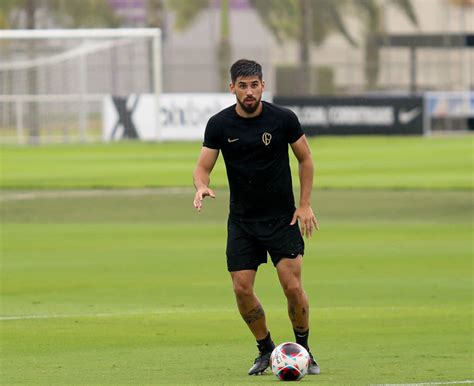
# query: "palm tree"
5,7
186,12
306,21
370,13
69,14
155,14
84,14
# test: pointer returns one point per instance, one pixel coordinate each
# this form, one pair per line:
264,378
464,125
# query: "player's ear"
232,87
263,84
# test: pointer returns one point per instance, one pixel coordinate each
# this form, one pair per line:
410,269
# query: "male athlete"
253,136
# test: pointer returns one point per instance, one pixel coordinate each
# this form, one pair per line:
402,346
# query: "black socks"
266,344
302,338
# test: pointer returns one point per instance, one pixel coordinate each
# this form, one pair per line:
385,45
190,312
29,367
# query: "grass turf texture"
342,162
133,289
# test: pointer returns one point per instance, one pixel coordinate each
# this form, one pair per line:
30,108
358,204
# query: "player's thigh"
289,272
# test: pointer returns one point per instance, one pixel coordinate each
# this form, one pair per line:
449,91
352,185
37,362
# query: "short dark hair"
245,67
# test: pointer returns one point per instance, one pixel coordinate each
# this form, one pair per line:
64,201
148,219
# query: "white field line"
427,383
32,195
178,310
166,311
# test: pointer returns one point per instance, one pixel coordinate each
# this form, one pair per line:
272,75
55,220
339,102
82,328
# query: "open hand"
199,196
308,221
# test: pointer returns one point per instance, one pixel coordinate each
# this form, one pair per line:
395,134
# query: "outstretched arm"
207,160
304,212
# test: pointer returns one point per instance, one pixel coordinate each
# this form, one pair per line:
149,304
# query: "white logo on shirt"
266,138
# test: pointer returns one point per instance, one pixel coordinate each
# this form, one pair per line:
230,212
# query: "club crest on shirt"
266,138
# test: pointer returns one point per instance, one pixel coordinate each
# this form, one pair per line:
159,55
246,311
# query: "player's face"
248,91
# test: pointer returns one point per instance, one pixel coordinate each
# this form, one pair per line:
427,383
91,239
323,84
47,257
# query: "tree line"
307,22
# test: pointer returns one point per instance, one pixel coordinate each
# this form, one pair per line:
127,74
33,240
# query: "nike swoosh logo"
405,117
232,140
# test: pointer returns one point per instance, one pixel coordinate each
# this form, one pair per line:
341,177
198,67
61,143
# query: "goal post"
53,82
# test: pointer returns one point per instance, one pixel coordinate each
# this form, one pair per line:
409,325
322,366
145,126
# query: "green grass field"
129,286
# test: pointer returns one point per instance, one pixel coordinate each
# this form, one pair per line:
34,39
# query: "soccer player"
253,136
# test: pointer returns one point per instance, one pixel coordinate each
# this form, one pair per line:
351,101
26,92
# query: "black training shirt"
255,152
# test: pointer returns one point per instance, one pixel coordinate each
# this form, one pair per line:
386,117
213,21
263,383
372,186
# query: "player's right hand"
199,196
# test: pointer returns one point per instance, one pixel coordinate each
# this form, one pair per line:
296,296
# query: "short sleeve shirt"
255,152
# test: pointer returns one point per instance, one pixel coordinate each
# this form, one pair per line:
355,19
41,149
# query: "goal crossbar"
96,33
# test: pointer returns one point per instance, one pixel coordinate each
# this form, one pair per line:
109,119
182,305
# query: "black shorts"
248,242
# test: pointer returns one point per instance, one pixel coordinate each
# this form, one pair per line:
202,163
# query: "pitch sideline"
427,383
110,314
36,194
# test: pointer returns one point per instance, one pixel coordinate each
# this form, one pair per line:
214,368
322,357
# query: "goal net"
53,82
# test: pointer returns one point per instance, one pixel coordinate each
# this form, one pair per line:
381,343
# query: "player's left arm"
304,213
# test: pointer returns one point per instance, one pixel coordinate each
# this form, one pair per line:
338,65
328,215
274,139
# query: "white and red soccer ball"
289,361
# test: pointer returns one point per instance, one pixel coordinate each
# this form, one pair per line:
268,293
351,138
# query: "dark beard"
249,109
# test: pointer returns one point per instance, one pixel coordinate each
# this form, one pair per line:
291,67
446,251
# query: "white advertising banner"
180,117
450,104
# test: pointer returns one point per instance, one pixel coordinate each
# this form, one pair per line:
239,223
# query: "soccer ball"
290,361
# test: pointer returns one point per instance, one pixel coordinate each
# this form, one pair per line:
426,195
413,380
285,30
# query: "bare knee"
243,291
293,291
